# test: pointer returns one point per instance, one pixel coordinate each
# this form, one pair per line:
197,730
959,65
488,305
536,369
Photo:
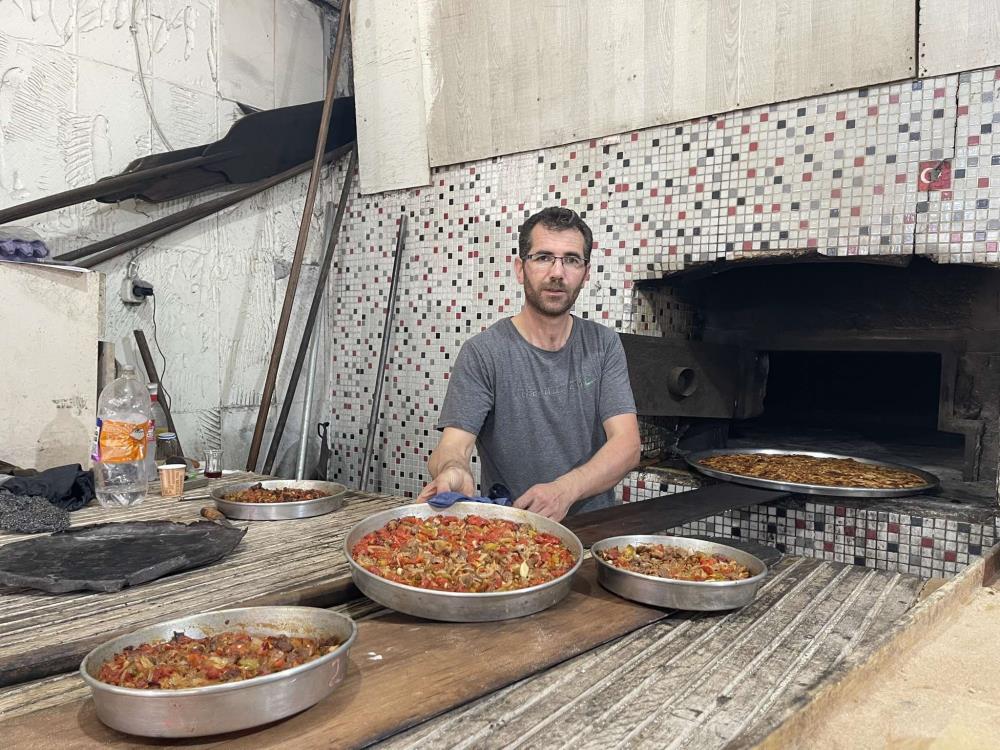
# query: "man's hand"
451,479
550,499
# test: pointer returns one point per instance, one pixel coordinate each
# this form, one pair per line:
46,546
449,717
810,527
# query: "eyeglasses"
546,260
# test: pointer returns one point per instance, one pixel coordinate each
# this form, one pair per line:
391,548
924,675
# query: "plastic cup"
172,479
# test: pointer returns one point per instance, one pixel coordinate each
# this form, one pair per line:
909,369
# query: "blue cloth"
447,499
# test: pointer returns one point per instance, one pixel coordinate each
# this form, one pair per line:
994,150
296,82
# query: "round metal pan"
333,500
702,596
232,706
455,606
694,460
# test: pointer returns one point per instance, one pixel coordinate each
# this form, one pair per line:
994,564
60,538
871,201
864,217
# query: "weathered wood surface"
921,623
589,69
48,692
957,35
692,681
403,671
278,562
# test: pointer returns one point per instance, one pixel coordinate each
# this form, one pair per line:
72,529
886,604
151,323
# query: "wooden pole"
300,245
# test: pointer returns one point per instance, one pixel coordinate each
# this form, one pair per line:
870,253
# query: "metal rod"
154,376
101,187
390,313
300,245
122,243
300,466
324,272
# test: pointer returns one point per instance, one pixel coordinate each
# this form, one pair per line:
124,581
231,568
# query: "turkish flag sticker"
934,175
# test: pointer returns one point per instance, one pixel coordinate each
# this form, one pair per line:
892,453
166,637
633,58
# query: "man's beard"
551,307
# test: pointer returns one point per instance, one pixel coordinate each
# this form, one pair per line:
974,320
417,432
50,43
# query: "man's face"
551,289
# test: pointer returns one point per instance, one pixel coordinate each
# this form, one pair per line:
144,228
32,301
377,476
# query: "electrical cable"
142,77
163,389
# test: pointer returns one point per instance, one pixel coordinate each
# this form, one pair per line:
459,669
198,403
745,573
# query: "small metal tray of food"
702,596
459,606
227,706
815,473
263,500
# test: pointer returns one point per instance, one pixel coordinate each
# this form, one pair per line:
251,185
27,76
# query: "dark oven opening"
897,359
880,395
875,402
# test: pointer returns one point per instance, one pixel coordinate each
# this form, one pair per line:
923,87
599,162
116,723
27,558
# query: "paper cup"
172,480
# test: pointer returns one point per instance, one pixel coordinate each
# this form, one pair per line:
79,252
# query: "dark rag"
68,487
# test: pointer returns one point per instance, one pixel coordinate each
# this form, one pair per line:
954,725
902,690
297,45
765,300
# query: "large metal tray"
232,706
334,500
462,607
694,459
702,596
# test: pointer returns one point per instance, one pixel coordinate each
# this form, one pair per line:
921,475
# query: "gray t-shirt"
538,414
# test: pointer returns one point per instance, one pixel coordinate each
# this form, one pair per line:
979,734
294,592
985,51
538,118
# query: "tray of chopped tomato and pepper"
468,563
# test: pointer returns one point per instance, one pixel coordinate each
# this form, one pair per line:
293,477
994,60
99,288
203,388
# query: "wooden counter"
277,562
592,671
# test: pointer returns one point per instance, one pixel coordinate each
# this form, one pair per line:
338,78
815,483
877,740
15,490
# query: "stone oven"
885,357
894,358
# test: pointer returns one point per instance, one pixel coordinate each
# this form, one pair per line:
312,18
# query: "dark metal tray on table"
694,460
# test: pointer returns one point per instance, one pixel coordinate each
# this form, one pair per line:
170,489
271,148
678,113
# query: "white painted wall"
72,109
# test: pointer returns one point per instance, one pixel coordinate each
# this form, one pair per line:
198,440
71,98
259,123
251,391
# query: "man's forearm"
448,458
604,470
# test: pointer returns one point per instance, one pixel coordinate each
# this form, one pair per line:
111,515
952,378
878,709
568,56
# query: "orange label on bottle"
120,442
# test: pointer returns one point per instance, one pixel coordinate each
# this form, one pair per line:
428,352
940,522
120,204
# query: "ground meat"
801,469
185,662
257,494
27,514
673,562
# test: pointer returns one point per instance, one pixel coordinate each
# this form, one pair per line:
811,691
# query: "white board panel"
958,35
49,399
515,75
246,52
299,55
388,88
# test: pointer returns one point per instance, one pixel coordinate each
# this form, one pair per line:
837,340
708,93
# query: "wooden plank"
690,680
27,697
423,668
957,35
516,75
658,514
389,92
926,618
43,634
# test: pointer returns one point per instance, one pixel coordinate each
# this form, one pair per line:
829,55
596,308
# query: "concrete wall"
73,109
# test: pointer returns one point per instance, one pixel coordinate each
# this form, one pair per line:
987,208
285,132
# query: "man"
544,395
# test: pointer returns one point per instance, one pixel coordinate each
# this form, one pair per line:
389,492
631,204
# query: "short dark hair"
556,219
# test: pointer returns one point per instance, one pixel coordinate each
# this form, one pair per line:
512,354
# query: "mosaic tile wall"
914,544
836,174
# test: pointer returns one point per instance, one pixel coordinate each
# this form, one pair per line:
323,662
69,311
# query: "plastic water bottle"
119,451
